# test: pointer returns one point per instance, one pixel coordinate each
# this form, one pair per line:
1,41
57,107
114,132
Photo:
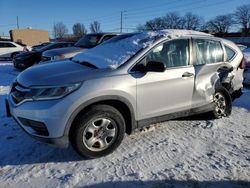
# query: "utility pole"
121,21
17,22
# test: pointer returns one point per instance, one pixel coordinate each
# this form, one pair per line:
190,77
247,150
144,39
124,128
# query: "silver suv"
126,83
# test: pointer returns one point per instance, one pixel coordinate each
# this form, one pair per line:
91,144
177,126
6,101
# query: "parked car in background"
86,42
242,47
36,47
9,49
25,60
128,82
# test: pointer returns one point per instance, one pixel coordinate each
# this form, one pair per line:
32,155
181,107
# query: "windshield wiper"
86,64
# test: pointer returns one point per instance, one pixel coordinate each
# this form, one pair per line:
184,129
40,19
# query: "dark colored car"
27,59
36,47
86,42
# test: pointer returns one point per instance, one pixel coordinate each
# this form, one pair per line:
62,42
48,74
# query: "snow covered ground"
192,152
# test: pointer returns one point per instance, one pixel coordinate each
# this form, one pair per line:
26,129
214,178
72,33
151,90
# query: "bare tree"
192,21
95,27
242,16
141,28
220,24
173,20
79,30
59,30
155,24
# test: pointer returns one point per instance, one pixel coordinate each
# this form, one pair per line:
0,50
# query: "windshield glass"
44,48
88,41
120,49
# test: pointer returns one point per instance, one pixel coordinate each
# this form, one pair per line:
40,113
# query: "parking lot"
189,152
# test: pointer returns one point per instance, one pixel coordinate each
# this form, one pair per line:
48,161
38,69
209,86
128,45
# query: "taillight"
243,63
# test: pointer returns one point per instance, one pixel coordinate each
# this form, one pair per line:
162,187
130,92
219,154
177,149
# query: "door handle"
187,74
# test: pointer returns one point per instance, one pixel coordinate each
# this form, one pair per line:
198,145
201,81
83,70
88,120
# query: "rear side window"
2,45
230,53
6,45
208,51
10,45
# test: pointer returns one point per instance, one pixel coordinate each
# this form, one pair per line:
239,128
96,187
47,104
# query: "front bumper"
46,58
51,114
19,64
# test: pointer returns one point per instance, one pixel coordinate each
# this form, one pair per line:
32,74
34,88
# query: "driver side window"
172,53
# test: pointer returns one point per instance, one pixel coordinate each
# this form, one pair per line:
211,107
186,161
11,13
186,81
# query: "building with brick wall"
29,36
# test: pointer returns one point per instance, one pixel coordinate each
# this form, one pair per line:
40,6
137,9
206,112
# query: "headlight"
58,57
46,93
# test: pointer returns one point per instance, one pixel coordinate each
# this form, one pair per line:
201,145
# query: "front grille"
19,92
38,127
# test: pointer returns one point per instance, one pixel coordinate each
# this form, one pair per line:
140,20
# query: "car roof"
178,33
105,33
6,41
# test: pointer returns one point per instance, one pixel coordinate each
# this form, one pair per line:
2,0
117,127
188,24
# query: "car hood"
61,51
58,73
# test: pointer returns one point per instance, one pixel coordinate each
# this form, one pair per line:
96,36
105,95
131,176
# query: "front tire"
13,55
98,132
222,103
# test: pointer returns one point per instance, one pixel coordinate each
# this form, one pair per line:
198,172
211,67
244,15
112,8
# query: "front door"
161,93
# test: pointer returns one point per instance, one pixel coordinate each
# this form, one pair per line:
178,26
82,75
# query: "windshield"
88,41
117,51
120,49
44,48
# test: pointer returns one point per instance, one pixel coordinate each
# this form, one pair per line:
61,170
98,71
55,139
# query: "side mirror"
155,66
225,69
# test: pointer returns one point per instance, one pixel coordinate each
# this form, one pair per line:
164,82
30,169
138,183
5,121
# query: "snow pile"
186,153
114,53
4,90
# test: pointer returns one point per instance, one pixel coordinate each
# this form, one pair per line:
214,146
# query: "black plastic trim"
101,99
185,113
60,141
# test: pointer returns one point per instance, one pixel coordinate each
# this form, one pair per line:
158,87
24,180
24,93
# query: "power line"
182,10
150,7
7,25
169,8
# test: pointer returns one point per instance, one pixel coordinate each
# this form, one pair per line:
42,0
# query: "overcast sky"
41,14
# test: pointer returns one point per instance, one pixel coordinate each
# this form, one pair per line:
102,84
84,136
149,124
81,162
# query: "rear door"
209,67
161,93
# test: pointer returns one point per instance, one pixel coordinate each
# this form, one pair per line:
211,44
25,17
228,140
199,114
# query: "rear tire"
98,132
222,103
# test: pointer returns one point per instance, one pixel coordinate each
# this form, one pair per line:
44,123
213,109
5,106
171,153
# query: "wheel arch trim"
96,100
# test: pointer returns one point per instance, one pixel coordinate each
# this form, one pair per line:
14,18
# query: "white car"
9,49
